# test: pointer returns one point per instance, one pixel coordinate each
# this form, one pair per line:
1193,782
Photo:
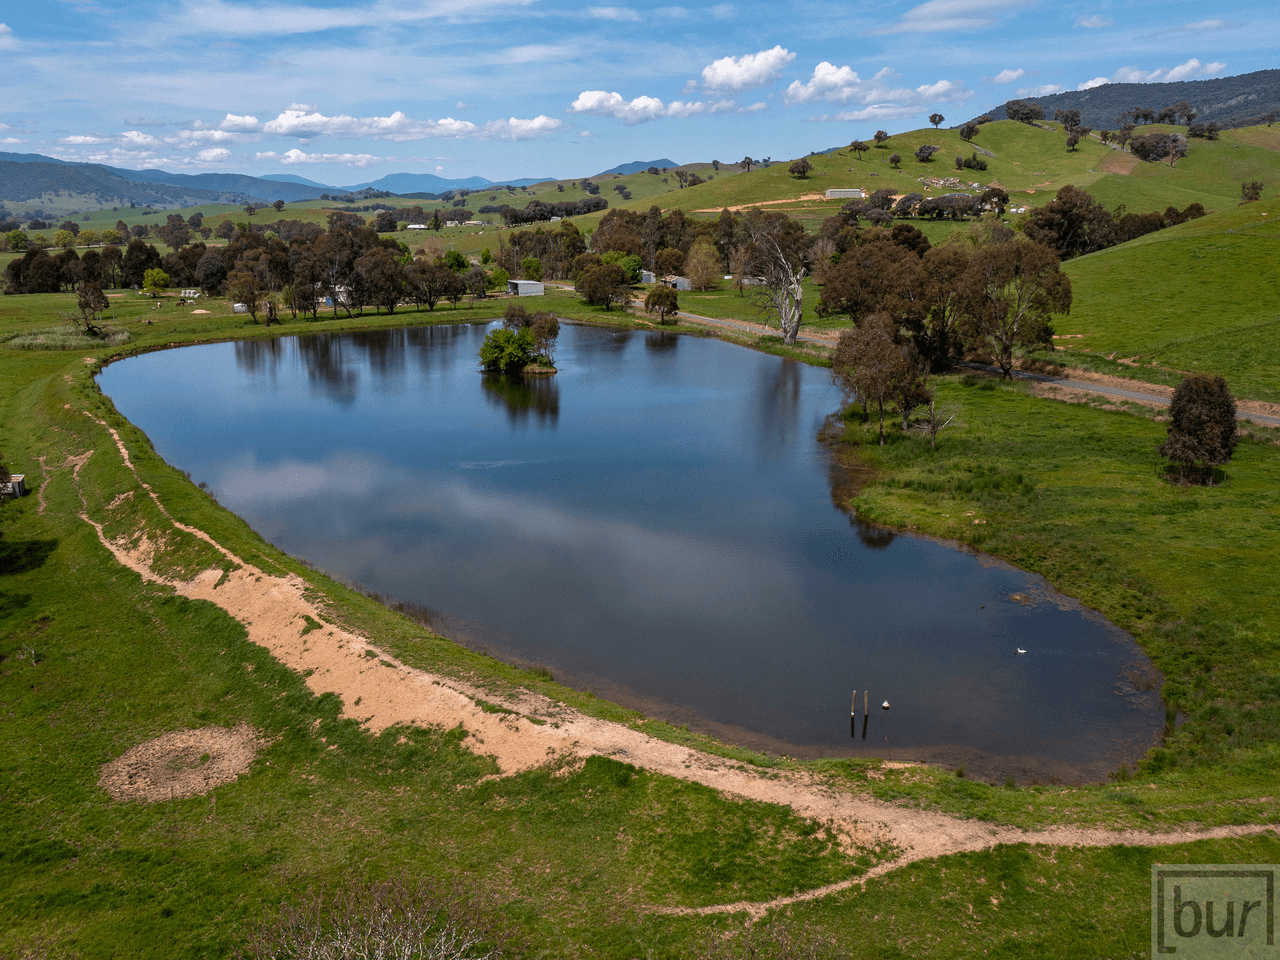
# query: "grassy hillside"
1200,297
93,661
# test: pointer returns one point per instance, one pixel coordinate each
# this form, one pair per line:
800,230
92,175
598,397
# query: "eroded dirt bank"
381,692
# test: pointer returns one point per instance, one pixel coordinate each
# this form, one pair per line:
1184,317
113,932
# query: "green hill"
1030,162
1200,297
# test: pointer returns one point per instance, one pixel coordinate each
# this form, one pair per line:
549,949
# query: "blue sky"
346,91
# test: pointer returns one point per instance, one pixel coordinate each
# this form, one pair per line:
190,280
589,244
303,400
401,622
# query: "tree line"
298,269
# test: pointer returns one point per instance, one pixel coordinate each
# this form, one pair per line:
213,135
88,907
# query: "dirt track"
380,692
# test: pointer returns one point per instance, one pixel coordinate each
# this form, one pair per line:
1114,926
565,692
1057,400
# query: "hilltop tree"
746,163
926,152
278,206
1250,191
968,131
894,160
1070,119
881,138
1202,427
1024,111
1073,139
935,119
800,168
858,148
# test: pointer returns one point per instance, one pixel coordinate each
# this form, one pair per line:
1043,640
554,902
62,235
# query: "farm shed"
526,288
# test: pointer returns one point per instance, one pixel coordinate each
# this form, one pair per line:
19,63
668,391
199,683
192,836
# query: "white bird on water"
1020,650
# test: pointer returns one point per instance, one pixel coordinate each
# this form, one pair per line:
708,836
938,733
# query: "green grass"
577,854
94,661
1074,493
1202,297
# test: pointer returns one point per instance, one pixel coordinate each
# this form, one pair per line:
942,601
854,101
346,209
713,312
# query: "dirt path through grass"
530,730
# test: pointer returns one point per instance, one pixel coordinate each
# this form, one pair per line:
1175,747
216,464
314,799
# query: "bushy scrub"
525,338
507,351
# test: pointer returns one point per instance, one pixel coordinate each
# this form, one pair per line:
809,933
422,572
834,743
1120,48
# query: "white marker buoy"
1020,650
885,705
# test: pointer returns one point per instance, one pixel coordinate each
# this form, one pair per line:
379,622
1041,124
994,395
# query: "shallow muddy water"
655,524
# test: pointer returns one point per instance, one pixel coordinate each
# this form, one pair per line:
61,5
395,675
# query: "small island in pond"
524,344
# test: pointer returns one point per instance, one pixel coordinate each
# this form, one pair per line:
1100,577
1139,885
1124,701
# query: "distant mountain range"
33,176
635,166
429,183
1230,101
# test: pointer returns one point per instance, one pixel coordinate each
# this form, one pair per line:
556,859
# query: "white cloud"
1040,91
7,39
514,129
439,169
1190,70
1005,76
234,123
843,85
877,112
214,155
585,133
1206,25
1096,22
722,11
218,17
620,14
752,70
938,16
296,156
755,108
539,53
306,122
600,103
834,84
13,140
84,139
1095,82
136,138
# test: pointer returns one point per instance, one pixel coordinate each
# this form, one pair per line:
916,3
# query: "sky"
347,91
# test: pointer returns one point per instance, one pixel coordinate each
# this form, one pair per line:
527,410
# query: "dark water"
656,524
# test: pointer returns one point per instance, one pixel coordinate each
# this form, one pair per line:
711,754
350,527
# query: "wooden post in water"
865,708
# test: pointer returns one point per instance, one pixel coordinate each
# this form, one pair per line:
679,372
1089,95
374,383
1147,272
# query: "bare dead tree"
776,255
